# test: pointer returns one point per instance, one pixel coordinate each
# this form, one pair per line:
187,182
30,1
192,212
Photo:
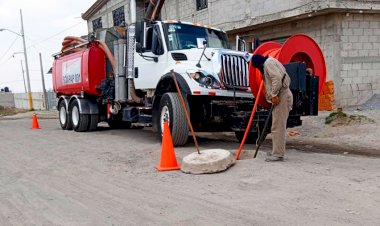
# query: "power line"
47,49
6,52
16,81
38,43
44,40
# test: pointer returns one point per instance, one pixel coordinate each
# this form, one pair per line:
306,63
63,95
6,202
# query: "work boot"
274,159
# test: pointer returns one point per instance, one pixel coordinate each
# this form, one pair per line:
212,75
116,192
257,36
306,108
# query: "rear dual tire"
64,117
80,121
73,119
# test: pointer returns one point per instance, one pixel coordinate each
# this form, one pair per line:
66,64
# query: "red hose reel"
298,48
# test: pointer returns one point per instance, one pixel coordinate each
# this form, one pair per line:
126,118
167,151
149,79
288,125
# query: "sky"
46,23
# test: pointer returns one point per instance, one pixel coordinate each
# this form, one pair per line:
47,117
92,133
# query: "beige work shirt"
274,71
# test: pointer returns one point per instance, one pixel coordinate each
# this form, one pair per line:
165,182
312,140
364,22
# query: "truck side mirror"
240,44
140,28
157,45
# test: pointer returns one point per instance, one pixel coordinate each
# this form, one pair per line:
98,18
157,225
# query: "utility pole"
23,76
26,65
43,85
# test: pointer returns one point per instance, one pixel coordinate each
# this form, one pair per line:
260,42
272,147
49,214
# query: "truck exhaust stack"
132,97
120,79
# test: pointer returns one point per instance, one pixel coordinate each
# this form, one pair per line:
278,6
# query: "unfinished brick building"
348,31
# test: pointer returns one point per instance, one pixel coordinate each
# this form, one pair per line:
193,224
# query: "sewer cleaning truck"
126,76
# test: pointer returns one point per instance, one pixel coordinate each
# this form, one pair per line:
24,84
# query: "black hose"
263,132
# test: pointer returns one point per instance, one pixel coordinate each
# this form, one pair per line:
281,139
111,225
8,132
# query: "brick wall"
360,52
106,13
227,14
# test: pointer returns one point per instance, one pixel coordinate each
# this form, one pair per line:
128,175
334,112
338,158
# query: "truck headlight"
204,80
195,75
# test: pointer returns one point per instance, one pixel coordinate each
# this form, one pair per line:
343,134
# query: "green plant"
335,115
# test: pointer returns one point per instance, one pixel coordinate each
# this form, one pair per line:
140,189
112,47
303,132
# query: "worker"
277,92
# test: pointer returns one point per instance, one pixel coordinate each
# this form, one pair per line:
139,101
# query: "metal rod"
250,121
71,48
186,112
263,132
43,85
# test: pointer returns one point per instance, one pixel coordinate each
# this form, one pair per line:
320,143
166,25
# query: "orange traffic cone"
168,159
35,122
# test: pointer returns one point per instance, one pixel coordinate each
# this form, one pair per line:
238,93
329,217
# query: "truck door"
149,71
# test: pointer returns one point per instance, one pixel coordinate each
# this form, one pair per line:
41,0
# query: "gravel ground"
371,104
357,139
56,177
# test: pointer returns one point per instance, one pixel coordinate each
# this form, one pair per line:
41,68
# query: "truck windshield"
184,36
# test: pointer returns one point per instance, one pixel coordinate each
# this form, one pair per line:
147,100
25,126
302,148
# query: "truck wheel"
64,117
251,138
81,122
170,110
94,119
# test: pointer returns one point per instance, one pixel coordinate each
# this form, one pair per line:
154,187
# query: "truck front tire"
170,109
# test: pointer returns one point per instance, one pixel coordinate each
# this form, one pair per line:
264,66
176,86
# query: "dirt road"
55,177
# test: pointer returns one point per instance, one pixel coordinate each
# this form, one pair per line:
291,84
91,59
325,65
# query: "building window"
97,23
118,16
201,4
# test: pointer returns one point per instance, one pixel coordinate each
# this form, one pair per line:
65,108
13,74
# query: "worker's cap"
258,60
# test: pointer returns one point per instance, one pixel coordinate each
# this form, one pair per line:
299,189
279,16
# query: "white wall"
21,101
7,100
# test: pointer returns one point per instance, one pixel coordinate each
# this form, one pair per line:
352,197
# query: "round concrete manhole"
209,161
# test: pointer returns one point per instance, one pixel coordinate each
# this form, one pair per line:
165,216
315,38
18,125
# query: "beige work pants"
279,118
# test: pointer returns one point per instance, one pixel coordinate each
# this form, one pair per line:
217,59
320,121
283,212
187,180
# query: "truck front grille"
234,71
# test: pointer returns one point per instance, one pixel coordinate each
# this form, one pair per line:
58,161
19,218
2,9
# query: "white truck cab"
213,78
200,54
